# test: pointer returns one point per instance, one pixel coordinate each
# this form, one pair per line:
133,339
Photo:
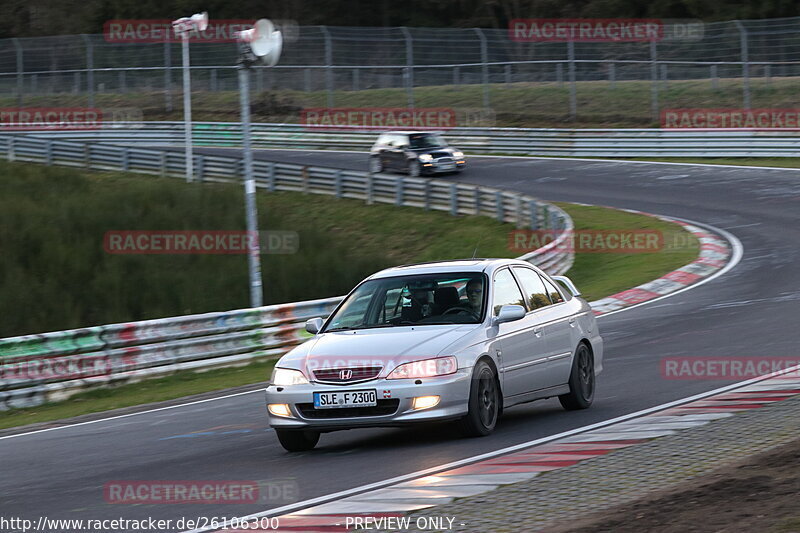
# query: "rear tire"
297,441
581,381
484,402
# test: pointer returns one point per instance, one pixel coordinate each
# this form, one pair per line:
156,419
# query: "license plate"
448,166
350,398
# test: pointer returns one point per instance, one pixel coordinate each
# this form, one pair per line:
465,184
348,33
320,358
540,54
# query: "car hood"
385,347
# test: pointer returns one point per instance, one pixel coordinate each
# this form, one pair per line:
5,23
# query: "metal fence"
516,141
334,59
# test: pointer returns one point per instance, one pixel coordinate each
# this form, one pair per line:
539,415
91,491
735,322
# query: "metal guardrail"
515,141
38,368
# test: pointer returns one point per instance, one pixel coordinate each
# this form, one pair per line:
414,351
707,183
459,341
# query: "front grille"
384,408
359,373
445,160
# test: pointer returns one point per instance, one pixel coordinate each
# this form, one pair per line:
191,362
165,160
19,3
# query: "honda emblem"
345,374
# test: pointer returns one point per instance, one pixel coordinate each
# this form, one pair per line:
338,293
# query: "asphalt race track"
750,311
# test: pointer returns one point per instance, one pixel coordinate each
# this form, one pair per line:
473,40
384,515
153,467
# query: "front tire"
581,381
297,441
375,165
484,402
414,169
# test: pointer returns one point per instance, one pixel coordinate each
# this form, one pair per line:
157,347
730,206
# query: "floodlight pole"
187,106
253,250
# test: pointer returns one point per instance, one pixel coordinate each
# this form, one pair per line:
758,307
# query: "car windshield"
426,140
413,300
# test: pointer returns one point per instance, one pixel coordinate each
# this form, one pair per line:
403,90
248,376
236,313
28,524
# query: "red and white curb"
714,255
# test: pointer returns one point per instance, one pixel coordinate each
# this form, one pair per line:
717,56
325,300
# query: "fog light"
425,402
279,409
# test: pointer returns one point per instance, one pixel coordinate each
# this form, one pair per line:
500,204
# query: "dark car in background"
416,152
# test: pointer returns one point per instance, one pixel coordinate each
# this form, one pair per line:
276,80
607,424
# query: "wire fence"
336,60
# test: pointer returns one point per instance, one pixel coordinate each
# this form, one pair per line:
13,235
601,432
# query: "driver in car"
475,294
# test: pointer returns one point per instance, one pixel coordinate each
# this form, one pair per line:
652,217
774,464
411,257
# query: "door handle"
537,332
572,322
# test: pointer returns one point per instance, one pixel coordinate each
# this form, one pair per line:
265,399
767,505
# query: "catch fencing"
335,60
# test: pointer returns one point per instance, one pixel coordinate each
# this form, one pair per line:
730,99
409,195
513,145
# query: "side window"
400,141
506,291
535,291
552,290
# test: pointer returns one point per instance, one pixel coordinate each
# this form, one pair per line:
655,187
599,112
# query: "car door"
397,153
559,319
554,318
521,342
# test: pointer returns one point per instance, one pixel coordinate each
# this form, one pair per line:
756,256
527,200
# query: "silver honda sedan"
456,340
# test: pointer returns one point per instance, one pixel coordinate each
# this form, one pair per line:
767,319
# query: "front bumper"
445,165
453,391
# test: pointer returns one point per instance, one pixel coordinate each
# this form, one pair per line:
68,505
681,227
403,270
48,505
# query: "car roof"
487,265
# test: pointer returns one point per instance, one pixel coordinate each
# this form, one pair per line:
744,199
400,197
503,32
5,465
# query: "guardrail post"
518,209
409,72
484,66
11,155
508,73
477,194
533,209
356,74
126,158
745,63
48,152
76,84
369,189
560,75
337,183
307,80
328,65
768,74
200,167
654,81
554,220
304,175
20,71
612,75
271,177
168,73
399,186
123,85
714,78
573,96
163,163
87,155
498,206
546,217
456,75
454,199
89,68
427,195
664,77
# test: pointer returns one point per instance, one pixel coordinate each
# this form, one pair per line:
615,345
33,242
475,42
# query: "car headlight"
283,377
425,158
427,368
458,155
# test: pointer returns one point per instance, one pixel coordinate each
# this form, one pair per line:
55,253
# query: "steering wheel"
460,309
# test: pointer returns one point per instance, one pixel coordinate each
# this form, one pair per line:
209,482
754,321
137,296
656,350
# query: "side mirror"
509,313
313,325
564,280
